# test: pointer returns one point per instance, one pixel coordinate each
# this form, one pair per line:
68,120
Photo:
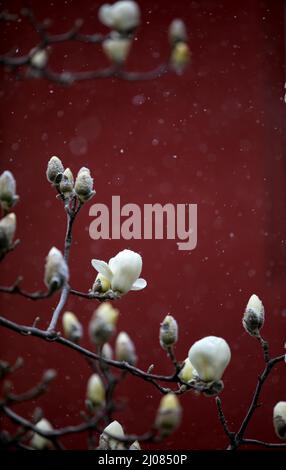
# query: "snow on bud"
39,58
102,324
72,327
116,48
67,183
123,16
122,271
8,196
39,442
84,185
56,270
180,56
177,31
115,430
169,414
210,356
7,232
279,419
188,371
95,391
125,349
54,170
168,332
253,317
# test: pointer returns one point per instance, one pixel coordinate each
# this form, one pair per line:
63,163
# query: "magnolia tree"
201,372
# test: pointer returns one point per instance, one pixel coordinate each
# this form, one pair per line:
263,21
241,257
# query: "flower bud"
106,353
54,170
116,48
56,270
39,58
67,182
101,284
123,15
84,185
279,419
169,414
72,327
8,196
177,31
114,429
135,446
102,324
188,372
253,317
210,356
180,57
7,232
168,332
39,442
125,349
95,391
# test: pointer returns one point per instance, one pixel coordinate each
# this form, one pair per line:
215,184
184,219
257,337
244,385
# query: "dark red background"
223,120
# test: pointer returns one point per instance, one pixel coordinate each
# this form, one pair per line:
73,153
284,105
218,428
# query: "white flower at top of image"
122,271
210,357
123,16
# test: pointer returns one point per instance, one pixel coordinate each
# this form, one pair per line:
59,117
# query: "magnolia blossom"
39,442
279,419
8,196
210,356
116,48
95,390
122,271
125,349
169,414
253,317
7,232
56,269
114,429
123,15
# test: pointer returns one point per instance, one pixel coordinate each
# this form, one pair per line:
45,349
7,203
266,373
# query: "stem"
58,309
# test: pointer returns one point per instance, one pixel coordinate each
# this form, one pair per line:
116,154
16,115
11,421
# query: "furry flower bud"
115,430
56,270
67,183
39,58
7,232
95,391
106,353
103,323
279,419
253,317
72,327
39,442
124,15
180,56
210,357
84,185
125,349
116,48
168,332
54,170
8,196
169,414
177,31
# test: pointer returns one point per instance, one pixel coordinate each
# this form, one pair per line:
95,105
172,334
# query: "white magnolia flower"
253,317
279,419
210,356
114,429
122,271
39,442
122,16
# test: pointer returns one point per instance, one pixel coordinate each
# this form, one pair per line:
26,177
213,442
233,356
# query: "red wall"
223,119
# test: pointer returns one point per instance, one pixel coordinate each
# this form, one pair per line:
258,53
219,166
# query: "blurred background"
212,137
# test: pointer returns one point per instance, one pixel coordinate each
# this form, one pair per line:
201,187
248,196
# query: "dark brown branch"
263,444
16,289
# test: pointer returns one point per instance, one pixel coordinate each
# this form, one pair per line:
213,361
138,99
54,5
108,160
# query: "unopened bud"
54,170
115,430
188,372
117,48
84,185
7,232
168,332
67,183
56,270
125,349
49,375
72,327
135,446
39,58
95,391
180,56
103,323
279,419
101,284
39,442
253,317
169,414
177,31
8,196
123,15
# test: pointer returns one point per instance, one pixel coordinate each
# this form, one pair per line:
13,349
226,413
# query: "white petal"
139,284
103,268
105,15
